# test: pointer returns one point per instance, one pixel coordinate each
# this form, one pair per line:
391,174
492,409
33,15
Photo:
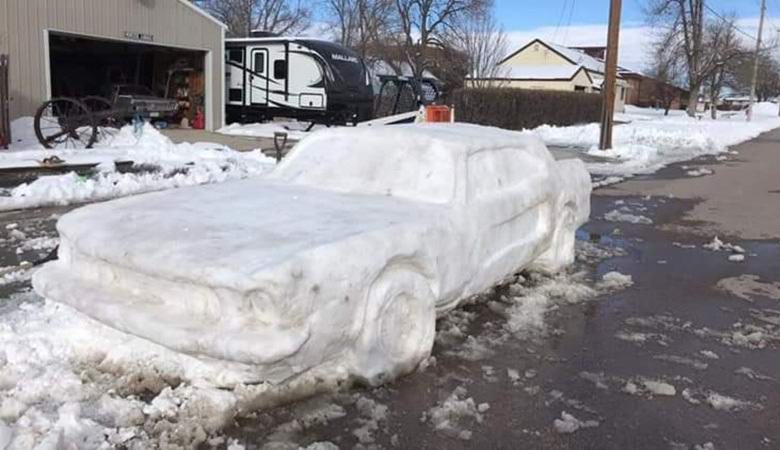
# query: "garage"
84,67
77,48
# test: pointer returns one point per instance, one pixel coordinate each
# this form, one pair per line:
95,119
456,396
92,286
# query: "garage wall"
170,22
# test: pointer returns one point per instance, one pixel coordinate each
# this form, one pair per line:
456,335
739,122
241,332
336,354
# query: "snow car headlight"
261,306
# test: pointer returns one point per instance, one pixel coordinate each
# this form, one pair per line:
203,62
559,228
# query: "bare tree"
684,20
274,16
423,23
361,24
666,73
484,44
725,50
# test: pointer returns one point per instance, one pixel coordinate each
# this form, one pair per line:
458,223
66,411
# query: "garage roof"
203,13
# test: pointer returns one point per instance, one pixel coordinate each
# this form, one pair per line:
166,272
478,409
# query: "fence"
5,115
517,109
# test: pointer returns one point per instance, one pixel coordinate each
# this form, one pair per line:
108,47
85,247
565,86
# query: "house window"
280,69
236,56
622,93
579,88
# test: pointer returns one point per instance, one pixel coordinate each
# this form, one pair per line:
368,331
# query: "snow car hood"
224,234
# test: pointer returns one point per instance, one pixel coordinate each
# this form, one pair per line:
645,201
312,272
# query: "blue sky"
521,15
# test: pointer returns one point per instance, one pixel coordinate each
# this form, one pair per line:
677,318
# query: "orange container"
437,113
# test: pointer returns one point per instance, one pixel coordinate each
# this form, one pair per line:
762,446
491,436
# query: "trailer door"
258,78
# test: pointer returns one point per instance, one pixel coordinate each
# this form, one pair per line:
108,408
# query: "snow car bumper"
235,340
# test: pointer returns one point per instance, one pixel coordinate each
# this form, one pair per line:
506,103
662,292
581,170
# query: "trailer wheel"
65,123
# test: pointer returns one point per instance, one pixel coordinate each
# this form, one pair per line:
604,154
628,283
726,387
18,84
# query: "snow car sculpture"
346,252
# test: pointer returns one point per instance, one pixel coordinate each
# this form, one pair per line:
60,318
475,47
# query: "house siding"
538,54
172,23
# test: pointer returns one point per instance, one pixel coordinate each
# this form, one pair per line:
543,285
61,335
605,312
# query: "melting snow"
620,216
569,424
451,415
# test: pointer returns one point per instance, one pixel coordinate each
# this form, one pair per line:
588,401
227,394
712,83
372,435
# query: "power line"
729,22
568,22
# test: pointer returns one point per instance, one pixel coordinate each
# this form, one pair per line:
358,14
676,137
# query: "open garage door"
85,66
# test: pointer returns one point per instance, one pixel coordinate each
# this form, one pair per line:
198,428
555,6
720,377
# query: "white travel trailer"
306,79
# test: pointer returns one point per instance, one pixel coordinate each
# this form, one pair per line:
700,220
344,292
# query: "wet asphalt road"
674,311
558,369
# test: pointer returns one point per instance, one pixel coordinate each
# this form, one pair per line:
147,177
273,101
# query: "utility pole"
755,63
610,76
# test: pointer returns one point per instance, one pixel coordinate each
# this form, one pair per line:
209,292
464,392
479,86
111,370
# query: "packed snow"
158,164
650,141
748,286
223,246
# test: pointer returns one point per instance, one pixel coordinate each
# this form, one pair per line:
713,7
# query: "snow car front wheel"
398,328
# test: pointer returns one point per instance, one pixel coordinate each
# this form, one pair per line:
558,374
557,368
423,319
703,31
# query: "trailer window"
280,69
260,62
236,56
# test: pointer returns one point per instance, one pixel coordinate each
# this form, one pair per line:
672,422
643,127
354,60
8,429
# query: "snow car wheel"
561,251
398,329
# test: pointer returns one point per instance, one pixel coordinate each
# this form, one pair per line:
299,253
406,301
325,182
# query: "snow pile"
295,130
651,140
161,165
569,424
748,286
451,415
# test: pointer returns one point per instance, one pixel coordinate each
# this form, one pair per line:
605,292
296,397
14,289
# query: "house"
647,92
544,65
76,48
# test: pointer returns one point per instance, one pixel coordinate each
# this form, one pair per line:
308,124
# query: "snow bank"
650,140
164,165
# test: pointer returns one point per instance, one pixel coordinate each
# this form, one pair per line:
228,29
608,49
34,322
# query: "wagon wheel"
108,119
66,123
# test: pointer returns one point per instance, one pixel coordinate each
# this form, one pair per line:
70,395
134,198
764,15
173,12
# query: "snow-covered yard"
160,164
649,140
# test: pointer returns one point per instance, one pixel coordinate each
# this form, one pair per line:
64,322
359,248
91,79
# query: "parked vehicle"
345,253
305,79
138,99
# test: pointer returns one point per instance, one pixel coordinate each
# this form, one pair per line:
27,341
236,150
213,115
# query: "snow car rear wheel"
398,329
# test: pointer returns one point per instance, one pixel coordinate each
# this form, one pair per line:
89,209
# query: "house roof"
575,57
546,72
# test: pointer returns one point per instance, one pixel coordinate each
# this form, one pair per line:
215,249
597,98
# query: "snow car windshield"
370,169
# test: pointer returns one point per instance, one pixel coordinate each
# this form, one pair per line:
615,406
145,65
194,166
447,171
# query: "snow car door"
508,192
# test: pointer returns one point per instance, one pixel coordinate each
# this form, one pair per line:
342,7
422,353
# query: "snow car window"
492,172
365,167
